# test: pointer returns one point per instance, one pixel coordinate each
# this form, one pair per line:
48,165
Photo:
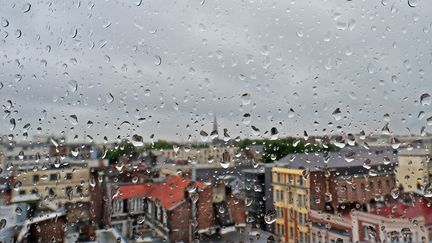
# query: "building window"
299,200
68,176
314,237
149,207
165,217
53,177
35,178
118,207
68,191
379,184
158,212
51,192
300,180
22,192
369,233
371,185
291,234
290,197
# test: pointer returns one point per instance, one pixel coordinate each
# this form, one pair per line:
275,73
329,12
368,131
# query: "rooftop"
169,192
403,210
347,157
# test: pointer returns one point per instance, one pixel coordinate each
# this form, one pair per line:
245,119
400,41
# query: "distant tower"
215,126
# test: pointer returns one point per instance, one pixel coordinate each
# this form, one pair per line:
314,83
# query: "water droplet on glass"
371,68
246,118
349,156
306,173
147,92
75,152
26,7
425,99
92,182
17,185
73,119
270,216
337,114
109,98
395,143
225,161
203,135
255,130
74,32
246,99
395,193
274,133
429,121
5,23
73,85
2,223
18,211
157,60
385,130
420,115
412,3
12,123
137,140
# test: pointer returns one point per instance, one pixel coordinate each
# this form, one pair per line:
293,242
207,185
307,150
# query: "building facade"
412,173
63,185
176,209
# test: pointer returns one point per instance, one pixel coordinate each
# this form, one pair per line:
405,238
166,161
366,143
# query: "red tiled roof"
169,193
398,210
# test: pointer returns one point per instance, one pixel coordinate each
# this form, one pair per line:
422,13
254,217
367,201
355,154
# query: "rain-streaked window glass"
216,121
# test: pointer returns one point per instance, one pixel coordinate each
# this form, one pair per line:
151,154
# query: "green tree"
125,148
276,149
159,144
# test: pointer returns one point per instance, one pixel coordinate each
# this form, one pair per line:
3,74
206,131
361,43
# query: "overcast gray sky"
172,65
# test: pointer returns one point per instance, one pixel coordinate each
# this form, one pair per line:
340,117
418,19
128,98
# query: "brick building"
177,209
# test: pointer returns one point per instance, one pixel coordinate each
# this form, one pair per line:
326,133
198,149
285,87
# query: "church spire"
215,126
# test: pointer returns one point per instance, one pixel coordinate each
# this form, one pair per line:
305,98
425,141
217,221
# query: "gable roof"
402,210
169,193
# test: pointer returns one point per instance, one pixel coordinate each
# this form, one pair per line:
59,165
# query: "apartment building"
60,185
254,190
291,195
413,172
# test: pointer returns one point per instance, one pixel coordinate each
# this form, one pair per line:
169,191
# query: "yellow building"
291,193
58,185
413,170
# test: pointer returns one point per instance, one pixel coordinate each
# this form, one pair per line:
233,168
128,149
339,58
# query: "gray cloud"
311,56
